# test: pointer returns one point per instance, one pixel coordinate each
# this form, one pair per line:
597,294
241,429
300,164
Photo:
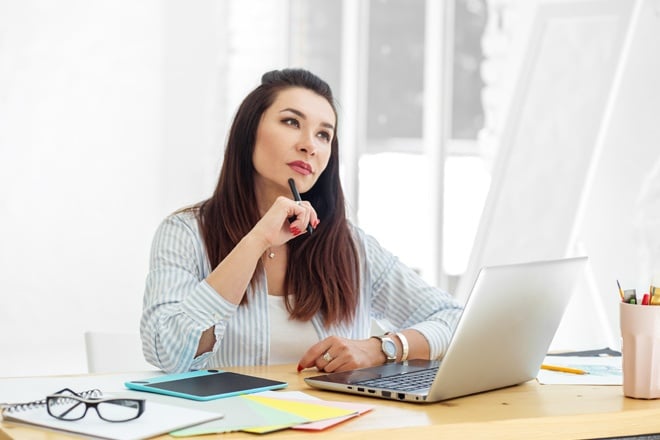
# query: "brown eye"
292,122
325,136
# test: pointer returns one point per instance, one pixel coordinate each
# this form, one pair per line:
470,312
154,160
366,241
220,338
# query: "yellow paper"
311,411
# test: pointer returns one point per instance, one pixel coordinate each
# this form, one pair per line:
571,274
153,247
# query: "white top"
289,338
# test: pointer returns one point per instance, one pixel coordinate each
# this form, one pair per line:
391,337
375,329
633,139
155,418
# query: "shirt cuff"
437,335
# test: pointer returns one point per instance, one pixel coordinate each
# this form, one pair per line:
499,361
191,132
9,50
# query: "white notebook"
157,419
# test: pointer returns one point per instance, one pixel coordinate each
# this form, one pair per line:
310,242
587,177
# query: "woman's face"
293,140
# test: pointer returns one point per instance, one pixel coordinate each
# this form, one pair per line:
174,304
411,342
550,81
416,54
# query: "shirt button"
216,316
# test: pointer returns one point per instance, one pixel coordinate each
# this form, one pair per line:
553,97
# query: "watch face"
389,347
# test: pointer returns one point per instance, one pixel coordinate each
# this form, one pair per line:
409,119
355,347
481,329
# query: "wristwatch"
388,346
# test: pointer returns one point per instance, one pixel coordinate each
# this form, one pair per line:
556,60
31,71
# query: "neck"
266,192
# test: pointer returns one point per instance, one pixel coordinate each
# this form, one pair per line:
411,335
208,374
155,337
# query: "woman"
239,280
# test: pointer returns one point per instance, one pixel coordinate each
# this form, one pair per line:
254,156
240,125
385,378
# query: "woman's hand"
284,220
335,354
231,277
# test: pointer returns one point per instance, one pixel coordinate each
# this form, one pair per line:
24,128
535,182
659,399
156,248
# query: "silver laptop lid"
507,326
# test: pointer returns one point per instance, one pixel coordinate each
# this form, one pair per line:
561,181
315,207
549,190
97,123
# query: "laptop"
501,339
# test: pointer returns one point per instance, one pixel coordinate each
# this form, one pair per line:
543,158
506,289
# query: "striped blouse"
179,304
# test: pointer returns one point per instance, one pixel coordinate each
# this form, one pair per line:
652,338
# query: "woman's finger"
300,219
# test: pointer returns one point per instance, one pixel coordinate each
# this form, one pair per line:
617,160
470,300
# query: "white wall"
618,223
107,111
620,227
75,141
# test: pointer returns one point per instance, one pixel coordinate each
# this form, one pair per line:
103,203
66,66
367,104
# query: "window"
392,164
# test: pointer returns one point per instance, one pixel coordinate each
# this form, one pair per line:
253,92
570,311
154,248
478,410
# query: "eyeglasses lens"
118,410
66,408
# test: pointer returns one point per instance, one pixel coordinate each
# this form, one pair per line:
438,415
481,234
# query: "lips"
301,167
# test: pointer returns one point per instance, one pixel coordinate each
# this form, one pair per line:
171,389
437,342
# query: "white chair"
114,352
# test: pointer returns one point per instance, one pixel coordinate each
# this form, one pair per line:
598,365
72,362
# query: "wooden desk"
521,412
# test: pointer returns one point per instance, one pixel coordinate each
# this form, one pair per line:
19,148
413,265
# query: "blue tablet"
205,384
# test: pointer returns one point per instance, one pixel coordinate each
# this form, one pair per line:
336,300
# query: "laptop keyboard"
403,382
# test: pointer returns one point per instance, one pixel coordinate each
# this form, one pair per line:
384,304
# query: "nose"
306,143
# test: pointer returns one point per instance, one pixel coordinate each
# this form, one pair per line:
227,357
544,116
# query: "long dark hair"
323,269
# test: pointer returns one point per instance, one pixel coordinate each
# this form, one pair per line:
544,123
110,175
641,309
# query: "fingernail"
300,368
294,230
316,223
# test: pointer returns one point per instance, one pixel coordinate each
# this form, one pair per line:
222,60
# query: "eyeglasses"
68,405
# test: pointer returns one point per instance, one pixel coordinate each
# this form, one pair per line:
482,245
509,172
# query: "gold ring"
326,357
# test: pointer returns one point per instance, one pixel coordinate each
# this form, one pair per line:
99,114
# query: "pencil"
620,290
296,197
563,369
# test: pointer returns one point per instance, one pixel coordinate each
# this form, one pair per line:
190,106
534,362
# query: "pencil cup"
640,333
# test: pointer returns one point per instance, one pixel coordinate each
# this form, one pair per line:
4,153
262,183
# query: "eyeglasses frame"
92,402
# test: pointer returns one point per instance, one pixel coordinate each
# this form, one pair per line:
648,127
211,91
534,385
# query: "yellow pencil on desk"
563,369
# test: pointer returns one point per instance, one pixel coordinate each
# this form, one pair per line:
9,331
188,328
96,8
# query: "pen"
296,197
563,369
620,290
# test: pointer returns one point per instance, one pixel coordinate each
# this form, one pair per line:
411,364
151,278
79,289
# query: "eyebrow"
302,115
